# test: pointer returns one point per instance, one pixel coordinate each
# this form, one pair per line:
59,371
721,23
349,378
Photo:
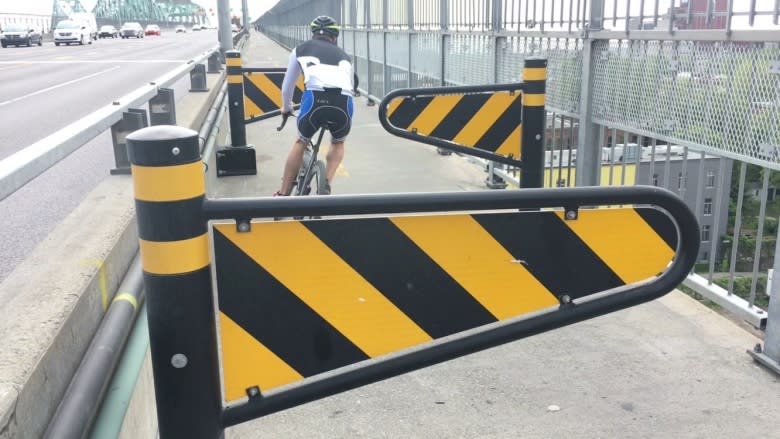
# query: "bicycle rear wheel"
317,182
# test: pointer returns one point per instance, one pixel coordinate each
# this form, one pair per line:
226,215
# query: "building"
669,171
698,12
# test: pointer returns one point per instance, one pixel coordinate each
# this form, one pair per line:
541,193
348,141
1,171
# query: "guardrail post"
198,79
162,107
214,64
534,122
169,192
133,119
493,181
239,157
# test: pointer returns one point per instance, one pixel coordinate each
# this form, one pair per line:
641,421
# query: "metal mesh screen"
564,67
469,59
564,74
376,51
426,60
397,73
715,96
347,41
361,56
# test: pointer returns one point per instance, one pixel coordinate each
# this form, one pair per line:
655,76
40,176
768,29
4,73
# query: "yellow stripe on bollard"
533,100
168,183
175,257
534,74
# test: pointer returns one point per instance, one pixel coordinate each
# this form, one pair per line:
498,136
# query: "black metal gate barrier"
504,264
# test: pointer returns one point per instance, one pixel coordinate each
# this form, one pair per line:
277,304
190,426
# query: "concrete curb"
55,308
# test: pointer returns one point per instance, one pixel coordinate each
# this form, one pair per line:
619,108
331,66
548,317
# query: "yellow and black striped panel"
263,93
486,121
298,298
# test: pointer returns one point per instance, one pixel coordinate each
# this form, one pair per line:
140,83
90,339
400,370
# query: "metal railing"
679,94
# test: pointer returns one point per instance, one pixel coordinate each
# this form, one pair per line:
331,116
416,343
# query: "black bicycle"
312,172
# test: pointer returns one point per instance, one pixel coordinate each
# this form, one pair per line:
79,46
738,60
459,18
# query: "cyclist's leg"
292,165
295,157
333,159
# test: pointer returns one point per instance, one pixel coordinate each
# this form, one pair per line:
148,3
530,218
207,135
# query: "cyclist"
326,100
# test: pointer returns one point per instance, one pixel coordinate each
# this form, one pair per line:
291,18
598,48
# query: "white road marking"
11,101
11,67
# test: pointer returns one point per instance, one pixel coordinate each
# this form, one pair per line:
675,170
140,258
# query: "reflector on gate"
300,298
263,93
479,120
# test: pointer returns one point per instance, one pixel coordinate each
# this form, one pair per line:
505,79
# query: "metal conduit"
209,122
211,141
78,407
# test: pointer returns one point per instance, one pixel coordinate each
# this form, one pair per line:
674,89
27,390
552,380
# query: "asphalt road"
43,89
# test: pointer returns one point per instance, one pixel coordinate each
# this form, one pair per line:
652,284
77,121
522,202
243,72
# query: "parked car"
69,31
108,31
131,29
152,29
234,28
19,35
181,29
196,27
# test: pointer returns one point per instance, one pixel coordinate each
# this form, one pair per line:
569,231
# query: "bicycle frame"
309,159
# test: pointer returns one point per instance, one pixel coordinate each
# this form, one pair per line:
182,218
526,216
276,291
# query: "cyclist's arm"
355,80
288,85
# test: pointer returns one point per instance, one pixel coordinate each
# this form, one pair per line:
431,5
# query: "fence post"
169,193
769,354
534,122
588,146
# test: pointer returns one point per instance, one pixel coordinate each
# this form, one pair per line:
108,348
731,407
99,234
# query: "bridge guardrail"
23,166
111,256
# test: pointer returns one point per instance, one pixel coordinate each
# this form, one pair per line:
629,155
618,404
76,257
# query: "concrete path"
671,368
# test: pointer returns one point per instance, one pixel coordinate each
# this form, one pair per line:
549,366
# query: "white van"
71,32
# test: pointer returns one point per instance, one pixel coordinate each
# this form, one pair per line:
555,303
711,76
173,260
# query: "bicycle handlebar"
285,116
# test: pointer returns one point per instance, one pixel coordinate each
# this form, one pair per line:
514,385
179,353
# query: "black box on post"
236,160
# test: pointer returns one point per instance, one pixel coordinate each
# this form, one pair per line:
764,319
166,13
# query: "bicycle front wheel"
317,183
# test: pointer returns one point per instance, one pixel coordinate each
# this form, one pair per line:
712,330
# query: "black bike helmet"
324,25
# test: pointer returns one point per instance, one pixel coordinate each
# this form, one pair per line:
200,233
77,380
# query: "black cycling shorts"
330,109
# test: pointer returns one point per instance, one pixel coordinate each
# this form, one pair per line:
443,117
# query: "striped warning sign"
263,93
486,121
299,298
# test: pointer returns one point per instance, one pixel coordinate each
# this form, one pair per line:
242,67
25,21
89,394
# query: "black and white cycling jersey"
324,66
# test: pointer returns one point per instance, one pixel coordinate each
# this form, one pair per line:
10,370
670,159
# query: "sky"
44,7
